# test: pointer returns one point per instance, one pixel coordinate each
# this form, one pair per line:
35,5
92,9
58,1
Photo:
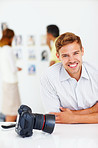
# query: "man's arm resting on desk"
83,116
93,109
68,117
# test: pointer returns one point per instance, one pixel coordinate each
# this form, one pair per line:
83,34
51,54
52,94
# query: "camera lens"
45,122
38,121
49,123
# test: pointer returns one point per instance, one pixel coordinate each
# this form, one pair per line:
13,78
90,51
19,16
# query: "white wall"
32,17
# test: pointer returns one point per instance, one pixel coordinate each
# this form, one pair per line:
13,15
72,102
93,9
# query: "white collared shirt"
58,89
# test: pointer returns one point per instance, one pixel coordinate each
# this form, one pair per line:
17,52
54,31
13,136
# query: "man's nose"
71,59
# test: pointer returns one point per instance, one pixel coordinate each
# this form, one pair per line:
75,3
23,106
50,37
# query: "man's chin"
72,71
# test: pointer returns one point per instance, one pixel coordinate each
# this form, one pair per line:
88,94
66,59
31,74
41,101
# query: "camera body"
27,121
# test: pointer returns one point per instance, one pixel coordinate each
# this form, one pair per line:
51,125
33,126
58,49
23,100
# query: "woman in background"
11,98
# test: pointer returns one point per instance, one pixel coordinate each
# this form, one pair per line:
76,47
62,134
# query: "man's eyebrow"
76,51
64,54
72,52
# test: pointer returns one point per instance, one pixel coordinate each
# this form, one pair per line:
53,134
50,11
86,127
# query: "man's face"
71,57
48,36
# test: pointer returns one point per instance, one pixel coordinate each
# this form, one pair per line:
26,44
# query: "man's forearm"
90,118
93,109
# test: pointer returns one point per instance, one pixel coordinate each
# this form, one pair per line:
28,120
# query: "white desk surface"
64,136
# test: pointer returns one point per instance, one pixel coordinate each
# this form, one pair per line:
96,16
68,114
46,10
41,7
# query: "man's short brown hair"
66,39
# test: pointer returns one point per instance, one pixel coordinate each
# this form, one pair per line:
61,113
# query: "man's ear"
58,56
82,51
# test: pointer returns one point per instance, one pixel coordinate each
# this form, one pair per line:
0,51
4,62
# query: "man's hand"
65,116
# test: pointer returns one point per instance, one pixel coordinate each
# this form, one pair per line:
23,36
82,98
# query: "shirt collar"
84,73
65,76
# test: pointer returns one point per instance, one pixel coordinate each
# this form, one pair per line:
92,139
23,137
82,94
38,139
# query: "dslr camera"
27,121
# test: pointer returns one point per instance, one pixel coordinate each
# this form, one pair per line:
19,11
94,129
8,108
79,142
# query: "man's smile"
73,65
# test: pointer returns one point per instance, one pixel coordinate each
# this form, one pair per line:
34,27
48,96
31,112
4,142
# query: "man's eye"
76,53
65,55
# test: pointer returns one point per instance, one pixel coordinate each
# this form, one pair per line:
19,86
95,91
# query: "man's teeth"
73,65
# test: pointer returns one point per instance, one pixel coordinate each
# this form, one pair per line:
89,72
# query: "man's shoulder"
91,68
52,71
54,68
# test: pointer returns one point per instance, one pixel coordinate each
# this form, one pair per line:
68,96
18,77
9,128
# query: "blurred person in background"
52,34
10,93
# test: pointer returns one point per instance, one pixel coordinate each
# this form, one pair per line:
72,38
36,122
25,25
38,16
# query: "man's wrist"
94,109
74,118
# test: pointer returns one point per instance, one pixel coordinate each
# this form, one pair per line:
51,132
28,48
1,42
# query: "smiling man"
70,89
